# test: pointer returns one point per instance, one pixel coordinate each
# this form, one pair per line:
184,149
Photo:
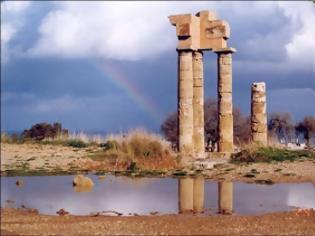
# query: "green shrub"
76,143
267,154
132,167
109,145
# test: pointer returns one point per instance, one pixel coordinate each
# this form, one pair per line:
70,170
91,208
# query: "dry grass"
134,149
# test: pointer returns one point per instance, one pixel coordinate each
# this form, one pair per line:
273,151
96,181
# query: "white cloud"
141,30
301,48
7,31
12,19
104,29
117,30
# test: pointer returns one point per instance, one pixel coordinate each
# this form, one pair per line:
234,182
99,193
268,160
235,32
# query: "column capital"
185,50
224,50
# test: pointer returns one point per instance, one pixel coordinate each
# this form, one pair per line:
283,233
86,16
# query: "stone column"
199,186
185,195
198,108
225,104
185,99
258,113
225,190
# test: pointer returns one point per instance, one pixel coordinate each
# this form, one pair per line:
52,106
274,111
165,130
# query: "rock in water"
82,181
19,183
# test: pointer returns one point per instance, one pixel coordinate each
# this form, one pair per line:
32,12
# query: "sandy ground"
40,156
27,222
58,157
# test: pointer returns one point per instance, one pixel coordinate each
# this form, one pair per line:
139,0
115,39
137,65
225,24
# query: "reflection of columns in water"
225,190
190,194
199,186
185,194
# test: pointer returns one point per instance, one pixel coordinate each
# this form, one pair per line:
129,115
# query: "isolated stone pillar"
185,195
258,113
198,108
225,190
225,104
199,186
185,99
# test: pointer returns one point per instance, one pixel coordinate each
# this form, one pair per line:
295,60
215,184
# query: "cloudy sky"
112,66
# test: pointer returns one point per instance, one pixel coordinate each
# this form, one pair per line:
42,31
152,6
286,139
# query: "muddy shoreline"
37,159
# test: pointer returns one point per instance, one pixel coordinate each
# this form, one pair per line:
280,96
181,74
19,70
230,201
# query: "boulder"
82,181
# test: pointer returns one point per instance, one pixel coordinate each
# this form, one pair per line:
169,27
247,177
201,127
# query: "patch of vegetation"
254,171
289,174
269,154
13,138
76,143
22,166
179,173
264,181
44,130
132,167
249,175
229,169
109,145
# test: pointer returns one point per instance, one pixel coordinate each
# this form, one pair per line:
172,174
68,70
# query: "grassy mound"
268,154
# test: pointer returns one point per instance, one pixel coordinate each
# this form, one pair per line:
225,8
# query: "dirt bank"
30,159
26,222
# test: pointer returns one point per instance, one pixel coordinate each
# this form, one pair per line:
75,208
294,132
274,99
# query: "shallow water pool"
145,196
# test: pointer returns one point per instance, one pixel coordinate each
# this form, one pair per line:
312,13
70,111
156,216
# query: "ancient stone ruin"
258,113
198,33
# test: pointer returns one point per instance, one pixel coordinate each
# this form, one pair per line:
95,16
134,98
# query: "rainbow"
119,78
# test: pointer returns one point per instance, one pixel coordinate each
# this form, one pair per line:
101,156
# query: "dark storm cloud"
52,78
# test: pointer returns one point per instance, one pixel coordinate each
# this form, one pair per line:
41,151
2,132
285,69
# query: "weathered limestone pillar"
258,113
225,190
185,100
199,186
185,195
225,105
198,109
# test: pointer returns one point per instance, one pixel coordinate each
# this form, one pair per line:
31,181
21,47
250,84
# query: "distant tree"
241,124
241,129
41,131
280,125
211,121
169,128
307,128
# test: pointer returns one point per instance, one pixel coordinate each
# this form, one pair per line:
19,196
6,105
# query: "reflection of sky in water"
144,195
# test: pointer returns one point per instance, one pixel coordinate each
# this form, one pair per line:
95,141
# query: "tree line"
281,127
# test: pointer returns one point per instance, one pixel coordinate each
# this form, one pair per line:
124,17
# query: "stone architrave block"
187,31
